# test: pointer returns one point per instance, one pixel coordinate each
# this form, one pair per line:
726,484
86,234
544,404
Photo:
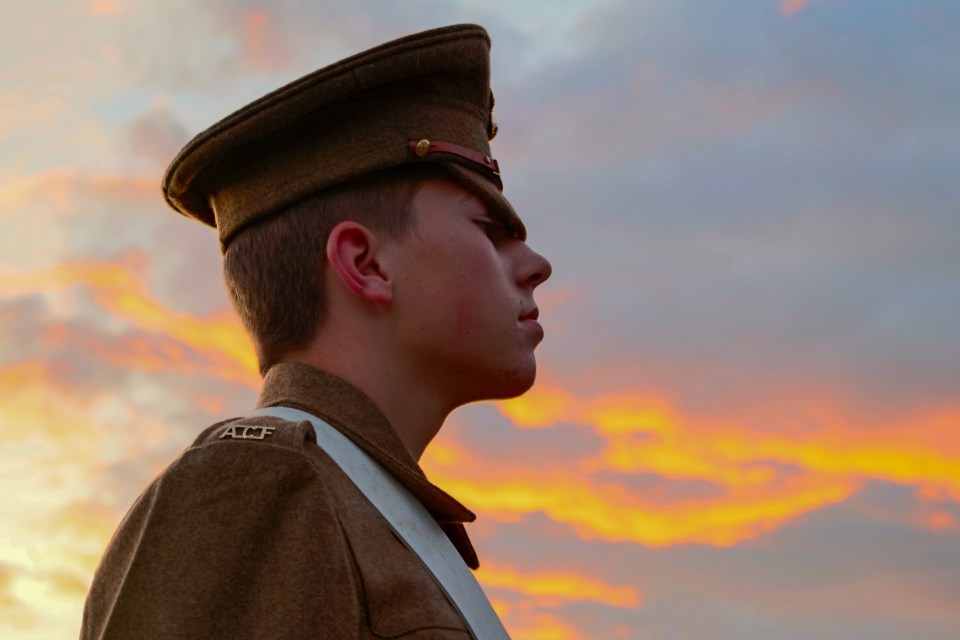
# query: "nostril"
544,271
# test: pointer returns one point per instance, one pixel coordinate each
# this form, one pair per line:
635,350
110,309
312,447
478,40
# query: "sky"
746,423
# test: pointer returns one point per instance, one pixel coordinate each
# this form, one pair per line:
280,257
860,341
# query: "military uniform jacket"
256,533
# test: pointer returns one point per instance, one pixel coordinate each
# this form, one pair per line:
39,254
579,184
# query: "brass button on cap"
422,148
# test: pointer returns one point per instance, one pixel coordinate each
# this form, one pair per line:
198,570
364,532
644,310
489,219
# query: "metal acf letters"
248,432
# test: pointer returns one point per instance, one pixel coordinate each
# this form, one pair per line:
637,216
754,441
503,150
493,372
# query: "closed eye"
492,229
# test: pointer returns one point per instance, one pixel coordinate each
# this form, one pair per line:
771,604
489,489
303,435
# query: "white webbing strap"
410,520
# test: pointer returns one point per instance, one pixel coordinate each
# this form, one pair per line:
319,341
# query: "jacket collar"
353,413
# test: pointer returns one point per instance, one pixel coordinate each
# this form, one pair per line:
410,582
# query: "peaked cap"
422,98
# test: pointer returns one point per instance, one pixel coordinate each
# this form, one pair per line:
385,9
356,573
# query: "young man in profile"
385,281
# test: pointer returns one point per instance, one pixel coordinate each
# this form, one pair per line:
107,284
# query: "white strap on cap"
410,520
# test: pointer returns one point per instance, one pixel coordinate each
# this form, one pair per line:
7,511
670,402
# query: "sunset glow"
746,422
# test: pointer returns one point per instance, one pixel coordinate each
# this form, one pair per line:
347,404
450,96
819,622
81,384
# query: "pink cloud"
265,45
790,7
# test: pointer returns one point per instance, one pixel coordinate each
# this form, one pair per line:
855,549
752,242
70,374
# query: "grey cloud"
301,36
859,569
493,440
765,202
656,489
157,135
80,217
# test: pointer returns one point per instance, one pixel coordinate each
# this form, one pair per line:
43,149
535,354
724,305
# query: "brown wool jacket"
248,538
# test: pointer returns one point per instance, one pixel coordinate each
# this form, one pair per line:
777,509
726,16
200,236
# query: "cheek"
464,319
468,304
482,302
466,290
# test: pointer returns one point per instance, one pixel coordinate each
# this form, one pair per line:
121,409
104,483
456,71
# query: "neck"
414,410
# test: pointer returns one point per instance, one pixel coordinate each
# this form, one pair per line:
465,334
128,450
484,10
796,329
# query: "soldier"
385,280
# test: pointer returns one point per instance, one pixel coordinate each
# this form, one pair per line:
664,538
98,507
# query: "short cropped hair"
274,268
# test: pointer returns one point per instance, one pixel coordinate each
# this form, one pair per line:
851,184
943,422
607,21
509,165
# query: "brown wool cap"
421,98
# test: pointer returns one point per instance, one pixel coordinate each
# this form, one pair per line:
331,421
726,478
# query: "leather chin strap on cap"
423,147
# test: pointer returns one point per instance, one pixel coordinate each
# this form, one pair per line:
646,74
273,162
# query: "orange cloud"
608,511
546,405
57,445
524,620
542,406
551,588
790,7
923,448
218,337
763,478
542,626
941,520
61,190
107,8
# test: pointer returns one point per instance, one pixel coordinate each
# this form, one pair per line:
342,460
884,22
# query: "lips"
529,322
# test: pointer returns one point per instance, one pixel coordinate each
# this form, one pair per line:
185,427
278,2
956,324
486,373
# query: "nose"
534,269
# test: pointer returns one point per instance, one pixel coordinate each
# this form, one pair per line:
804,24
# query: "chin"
495,383
516,382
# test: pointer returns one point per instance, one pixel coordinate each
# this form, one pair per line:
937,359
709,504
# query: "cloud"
120,293
482,431
791,7
71,215
97,400
157,135
855,569
536,626
764,219
646,472
655,489
553,587
746,413
593,503
49,215
52,459
265,47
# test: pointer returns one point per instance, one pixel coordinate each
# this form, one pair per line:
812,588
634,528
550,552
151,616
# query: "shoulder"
236,476
252,456
232,522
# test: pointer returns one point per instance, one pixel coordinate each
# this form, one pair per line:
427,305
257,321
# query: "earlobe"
352,254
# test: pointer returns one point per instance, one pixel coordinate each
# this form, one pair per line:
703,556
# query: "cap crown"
344,121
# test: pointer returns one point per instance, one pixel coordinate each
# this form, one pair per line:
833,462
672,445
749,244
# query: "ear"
352,255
